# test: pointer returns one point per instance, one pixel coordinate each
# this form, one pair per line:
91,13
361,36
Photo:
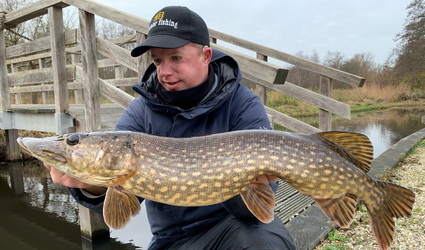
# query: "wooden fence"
65,72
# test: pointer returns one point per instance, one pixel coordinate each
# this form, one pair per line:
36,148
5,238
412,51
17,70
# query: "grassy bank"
360,99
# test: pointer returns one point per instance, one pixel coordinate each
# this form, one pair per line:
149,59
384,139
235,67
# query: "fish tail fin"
398,202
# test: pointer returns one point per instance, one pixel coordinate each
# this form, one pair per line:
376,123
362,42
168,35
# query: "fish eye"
73,139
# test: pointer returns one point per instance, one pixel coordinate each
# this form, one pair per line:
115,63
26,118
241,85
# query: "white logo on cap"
162,22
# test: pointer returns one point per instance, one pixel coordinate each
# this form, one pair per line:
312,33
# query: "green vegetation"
367,98
337,240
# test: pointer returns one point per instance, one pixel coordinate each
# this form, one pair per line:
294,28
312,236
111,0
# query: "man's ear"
207,52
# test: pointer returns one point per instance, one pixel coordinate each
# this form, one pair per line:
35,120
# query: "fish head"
84,156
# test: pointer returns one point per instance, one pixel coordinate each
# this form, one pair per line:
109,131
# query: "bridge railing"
62,76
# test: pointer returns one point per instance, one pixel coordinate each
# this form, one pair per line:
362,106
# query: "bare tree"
409,63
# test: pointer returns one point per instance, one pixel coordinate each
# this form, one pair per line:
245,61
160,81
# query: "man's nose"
164,69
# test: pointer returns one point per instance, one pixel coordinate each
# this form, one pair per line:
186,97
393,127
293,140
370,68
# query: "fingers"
61,178
47,166
266,179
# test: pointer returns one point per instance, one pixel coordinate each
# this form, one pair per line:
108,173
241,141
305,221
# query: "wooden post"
261,90
92,224
78,93
57,41
18,96
16,178
12,149
45,95
325,117
144,60
4,85
90,71
119,74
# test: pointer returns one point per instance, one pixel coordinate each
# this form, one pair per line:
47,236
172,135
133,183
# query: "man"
191,90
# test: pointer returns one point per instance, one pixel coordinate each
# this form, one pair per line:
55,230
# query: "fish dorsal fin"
119,207
259,198
340,210
358,146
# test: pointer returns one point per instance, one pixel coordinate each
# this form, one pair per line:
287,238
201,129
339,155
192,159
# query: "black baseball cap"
173,27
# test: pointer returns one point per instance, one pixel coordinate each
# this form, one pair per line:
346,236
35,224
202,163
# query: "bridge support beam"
12,148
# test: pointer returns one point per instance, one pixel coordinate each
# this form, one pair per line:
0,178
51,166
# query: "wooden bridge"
66,68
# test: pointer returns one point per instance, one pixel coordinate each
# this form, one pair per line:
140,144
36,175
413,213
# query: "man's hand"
266,179
59,177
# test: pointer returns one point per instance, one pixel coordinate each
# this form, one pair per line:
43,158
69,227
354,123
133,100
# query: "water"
384,128
36,213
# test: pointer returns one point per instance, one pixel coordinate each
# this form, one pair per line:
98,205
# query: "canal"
38,214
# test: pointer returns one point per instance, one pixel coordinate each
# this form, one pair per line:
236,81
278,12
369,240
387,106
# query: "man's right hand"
60,177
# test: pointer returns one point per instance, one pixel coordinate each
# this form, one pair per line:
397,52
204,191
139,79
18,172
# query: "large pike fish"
329,166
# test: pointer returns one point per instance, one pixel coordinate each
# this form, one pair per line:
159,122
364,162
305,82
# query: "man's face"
181,68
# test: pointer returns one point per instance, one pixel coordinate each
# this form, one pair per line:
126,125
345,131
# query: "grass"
337,240
360,99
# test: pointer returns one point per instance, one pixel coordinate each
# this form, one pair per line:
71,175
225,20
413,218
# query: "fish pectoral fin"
340,210
113,177
259,198
119,207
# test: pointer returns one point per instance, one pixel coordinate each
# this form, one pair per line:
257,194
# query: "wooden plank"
305,95
38,76
44,87
109,113
4,84
123,82
39,45
57,41
110,91
300,62
90,71
128,20
31,11
265,72
290,122
116,54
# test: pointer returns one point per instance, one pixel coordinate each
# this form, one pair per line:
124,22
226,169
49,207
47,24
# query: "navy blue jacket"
229,106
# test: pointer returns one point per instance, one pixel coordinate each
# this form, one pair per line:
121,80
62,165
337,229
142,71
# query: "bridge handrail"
264,76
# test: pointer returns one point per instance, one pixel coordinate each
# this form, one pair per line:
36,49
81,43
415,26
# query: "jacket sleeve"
95,204
249,113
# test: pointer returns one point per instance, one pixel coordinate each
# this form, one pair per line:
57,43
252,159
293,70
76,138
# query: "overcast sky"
349,27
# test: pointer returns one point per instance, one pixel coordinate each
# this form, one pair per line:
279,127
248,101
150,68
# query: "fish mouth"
42,149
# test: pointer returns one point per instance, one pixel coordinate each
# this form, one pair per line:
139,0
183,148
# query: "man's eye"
176,58
156,61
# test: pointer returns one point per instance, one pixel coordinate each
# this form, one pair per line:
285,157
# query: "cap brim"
159,41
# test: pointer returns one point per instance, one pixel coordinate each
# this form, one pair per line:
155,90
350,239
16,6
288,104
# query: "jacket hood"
227,77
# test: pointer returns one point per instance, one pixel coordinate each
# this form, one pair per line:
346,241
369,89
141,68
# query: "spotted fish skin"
198,171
